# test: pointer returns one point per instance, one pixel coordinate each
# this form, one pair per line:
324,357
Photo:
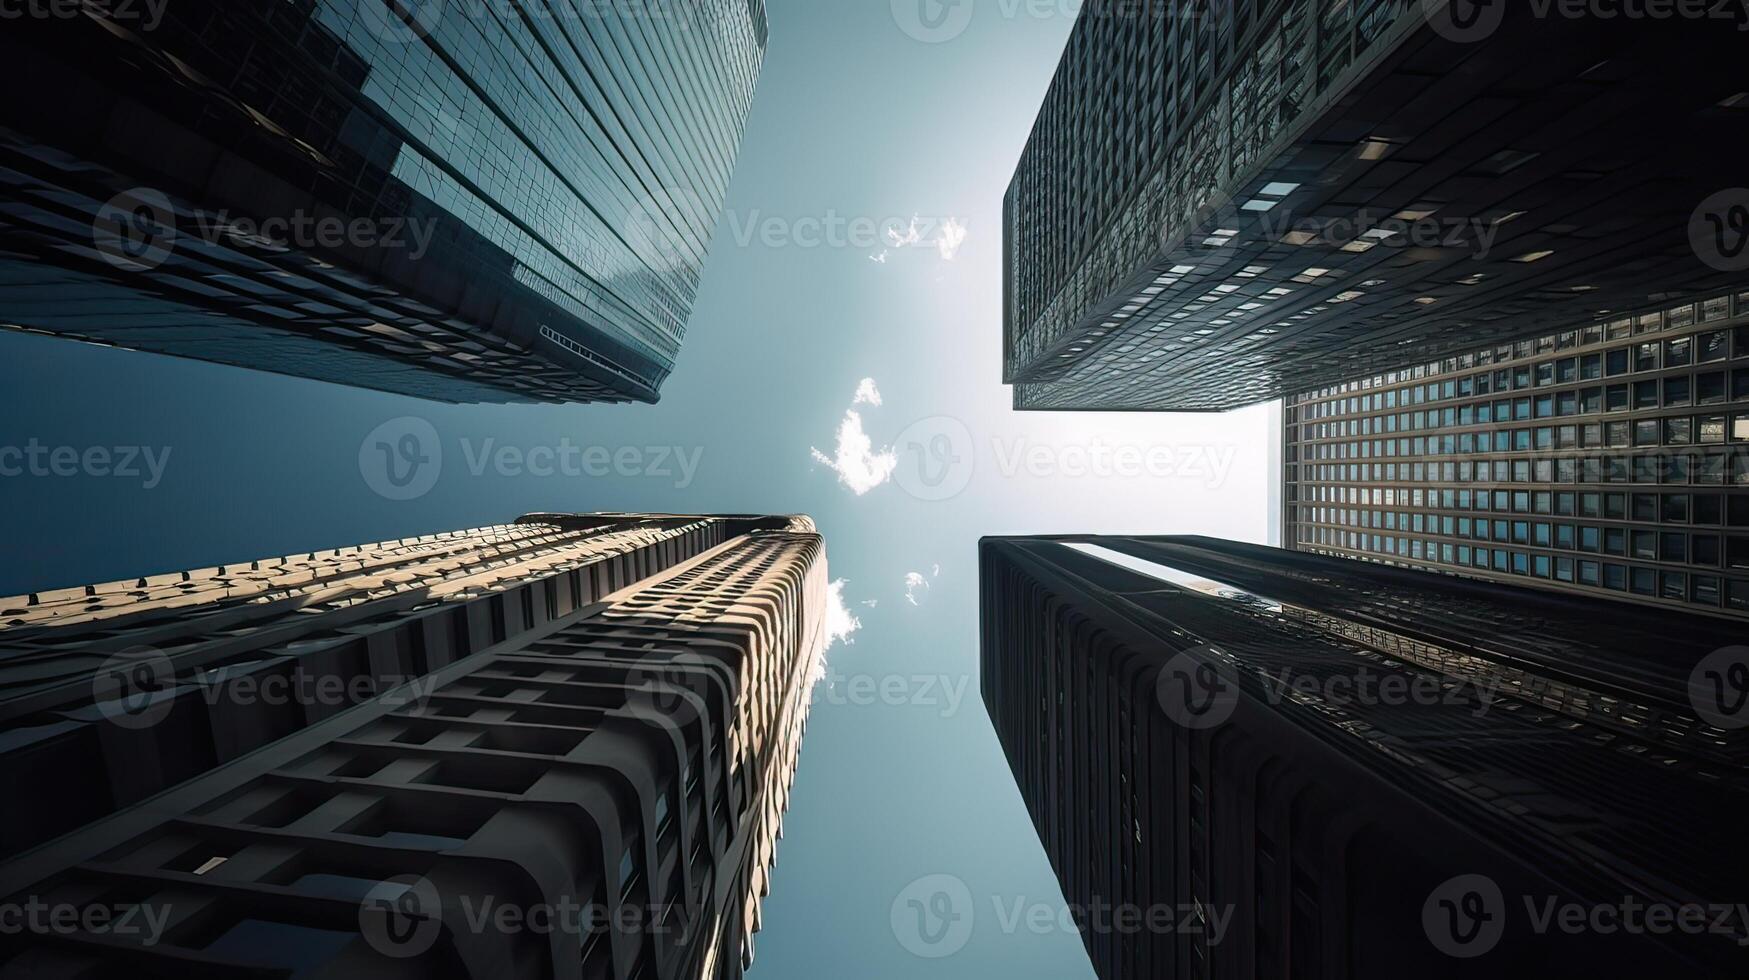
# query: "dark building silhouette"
1226,203
1612,459
1347,770
459,201
596,716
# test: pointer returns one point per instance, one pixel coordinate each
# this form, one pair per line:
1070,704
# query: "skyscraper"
1227,203
113,693
459,201
1611,459
594,791
1321,768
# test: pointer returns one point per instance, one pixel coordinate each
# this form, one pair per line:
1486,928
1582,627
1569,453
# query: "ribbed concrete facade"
627,756
1186,721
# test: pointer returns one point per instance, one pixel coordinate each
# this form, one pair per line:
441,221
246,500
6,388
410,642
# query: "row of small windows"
1667,468
1701,589
1665,355
1683,391
1680,317
1716,509
1675,547
1704,430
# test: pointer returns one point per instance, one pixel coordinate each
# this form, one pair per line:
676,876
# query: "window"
1710,388
1676,392
1715,346
1678,351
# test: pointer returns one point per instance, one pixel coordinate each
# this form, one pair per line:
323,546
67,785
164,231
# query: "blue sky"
866,116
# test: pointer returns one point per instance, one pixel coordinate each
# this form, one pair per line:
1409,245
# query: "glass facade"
1222,204
1611,459
463,201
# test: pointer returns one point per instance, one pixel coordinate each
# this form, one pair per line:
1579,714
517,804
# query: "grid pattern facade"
1611,459
113,692
1227,203
633,756
566,161
1318,825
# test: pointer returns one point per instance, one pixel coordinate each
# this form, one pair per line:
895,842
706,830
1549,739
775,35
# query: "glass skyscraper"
576,762
460,201
1227,203
1611,459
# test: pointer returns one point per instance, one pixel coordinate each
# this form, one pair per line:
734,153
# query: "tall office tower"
1611,459
458,201
1227,203
1260,762
596,796
112,693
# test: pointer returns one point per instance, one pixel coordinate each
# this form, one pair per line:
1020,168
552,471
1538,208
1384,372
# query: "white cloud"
840,624
915,585
858,464
912,235
881,257
871,603
953,235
